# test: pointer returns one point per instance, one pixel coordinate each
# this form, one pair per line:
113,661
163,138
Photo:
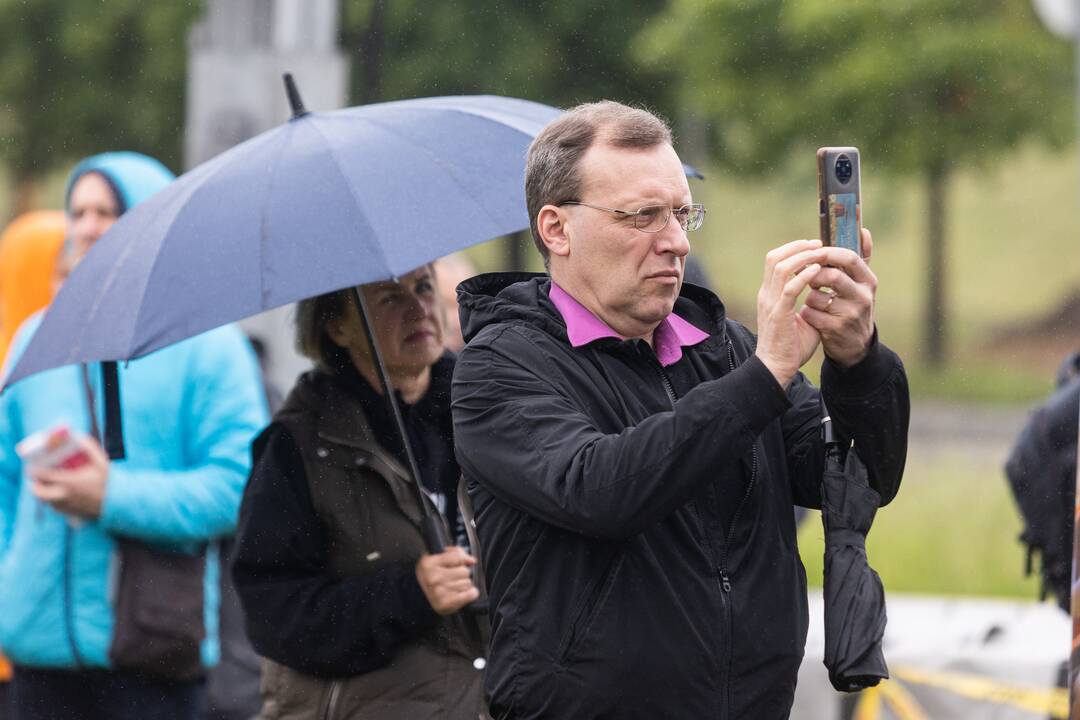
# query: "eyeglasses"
654,218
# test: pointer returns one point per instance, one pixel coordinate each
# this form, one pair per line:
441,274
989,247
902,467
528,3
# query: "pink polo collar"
582,327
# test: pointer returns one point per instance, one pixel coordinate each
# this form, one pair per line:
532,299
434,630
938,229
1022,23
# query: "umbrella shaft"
433,535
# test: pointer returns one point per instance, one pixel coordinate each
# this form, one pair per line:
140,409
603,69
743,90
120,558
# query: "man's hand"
79,491
785,339
445,580
844,316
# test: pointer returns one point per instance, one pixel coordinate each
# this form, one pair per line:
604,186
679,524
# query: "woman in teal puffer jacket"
190,412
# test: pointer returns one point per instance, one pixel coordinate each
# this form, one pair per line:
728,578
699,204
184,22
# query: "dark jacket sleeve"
1041,470
522,435
295,613
869,404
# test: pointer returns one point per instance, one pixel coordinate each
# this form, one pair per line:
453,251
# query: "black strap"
114,430
91,409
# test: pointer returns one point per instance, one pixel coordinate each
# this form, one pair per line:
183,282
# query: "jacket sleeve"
869,405
10,471
526,438
296,614
224,410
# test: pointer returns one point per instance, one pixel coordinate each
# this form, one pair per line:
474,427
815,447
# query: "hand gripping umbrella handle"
431,524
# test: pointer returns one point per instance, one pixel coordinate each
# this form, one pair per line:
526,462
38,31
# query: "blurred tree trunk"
935,322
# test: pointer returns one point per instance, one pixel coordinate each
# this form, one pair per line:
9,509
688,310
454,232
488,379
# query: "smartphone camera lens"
843,169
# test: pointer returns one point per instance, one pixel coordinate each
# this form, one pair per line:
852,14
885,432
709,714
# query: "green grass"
951,530
966,381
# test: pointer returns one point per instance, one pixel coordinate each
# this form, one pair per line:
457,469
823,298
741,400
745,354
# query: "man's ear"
551,224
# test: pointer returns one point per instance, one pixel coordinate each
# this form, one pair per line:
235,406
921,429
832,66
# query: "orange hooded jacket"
29,250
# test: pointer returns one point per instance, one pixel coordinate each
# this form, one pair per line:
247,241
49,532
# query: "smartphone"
840,197
55,447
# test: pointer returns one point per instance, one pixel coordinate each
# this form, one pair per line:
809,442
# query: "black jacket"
328,539
636,521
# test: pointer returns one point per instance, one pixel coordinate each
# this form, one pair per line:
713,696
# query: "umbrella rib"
352,188
435,159
404,138
164,241
264,209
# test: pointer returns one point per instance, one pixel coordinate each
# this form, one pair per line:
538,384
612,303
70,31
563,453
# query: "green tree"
554,51
922,86
559,52
83,77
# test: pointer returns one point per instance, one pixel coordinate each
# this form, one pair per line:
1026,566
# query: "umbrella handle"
431,524
434,537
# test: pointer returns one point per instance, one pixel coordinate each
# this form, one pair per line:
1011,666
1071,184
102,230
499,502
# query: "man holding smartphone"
633,456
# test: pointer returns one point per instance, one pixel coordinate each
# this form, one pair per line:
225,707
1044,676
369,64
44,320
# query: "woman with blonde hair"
353,617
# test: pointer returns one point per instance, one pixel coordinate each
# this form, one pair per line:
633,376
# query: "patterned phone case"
840,197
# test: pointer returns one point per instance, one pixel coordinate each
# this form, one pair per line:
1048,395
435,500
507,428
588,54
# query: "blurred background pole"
238,51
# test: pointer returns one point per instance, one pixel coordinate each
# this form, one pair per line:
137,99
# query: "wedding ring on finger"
828,303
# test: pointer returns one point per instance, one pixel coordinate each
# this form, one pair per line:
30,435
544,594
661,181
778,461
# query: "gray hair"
551,169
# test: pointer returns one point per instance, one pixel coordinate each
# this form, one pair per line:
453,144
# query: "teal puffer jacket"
190,412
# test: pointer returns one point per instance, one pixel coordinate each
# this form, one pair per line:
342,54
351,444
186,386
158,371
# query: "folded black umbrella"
854,596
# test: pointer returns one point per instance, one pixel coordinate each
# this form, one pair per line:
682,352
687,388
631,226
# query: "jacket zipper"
667,385
332,700
69,605
722,581
725,579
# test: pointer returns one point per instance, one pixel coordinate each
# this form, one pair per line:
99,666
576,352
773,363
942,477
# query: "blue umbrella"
322,202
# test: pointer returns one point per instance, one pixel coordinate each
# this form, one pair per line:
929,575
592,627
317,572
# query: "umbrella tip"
295,103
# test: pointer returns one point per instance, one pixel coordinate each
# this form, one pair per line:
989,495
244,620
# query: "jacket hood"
501,297
132,176
29,250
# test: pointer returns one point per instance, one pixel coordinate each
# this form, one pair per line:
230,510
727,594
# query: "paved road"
954,658
935,423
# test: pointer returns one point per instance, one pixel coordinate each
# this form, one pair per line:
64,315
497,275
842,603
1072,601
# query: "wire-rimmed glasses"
654,218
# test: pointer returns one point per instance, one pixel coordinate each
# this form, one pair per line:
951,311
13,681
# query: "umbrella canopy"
325,201
322,202
854,596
